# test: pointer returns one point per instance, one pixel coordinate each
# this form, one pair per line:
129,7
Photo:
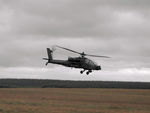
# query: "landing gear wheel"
81,72
87,73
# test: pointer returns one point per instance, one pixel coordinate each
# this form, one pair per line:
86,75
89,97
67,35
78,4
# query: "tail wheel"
87,72
46,63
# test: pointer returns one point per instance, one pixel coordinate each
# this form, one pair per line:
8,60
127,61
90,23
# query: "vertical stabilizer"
49,53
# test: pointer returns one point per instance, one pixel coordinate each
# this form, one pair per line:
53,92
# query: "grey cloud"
78,18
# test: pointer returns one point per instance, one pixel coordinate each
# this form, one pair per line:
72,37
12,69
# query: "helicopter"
75,62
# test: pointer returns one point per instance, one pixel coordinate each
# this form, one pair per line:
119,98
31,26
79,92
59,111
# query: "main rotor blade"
68,49
82,54
97,56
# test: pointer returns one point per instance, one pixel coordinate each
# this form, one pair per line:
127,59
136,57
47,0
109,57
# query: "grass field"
76,100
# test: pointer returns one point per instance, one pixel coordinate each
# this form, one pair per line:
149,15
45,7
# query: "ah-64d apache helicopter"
76,62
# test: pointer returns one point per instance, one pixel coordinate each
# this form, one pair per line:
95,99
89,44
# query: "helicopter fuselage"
77,62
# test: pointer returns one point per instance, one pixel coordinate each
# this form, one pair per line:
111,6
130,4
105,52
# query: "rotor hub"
83,54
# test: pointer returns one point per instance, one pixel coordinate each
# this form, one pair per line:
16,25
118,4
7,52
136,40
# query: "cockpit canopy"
78,59
90,61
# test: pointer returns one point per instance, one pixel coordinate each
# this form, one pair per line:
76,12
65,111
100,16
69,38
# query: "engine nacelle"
76,59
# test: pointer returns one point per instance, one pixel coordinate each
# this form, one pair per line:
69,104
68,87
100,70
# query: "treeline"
37,83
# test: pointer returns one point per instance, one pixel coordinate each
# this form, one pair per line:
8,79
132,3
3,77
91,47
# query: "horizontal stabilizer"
45,59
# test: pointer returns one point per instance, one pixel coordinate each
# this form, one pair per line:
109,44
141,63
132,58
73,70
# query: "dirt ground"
74,100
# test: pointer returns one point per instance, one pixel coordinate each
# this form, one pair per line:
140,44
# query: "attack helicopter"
75,62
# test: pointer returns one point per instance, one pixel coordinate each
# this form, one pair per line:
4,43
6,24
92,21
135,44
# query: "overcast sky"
116,28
